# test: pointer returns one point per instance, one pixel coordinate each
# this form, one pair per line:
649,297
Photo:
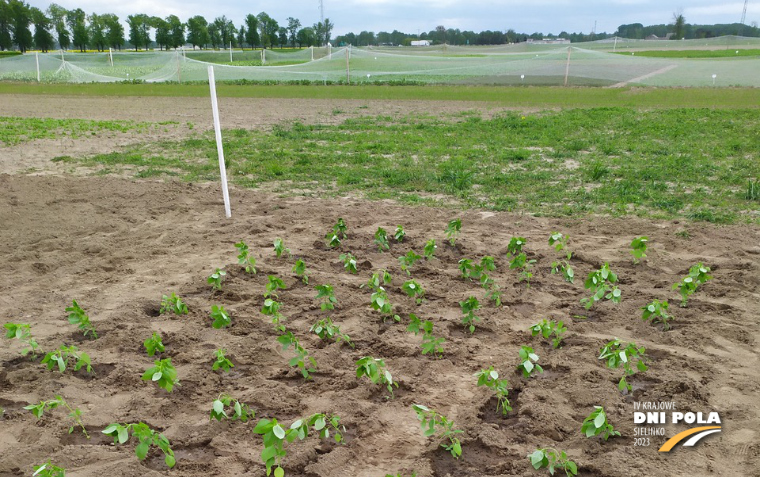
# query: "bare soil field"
117,245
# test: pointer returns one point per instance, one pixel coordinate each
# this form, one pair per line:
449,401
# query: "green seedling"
438,425
378,279
600,282
338,232
494,294
245,258
490,379
399,234
300,270
559,241
274,436
271,308
48,470
521,262
553,459
547,328
452,231
416,325
379,302
349,262
305,363
688,284
753,189
657,312
381,239
617,356
333,241
407,261
469,307
220,316
413,290
515,246
279,248
563,268
174,304
240,412
466,267
325,292
273,284
216,278
78,317
429,249
162,373
639,248
61,357
145,436
327,330
528,362
375,370
340,228
22,332
154,344
596,423
75,414
431,344
221,361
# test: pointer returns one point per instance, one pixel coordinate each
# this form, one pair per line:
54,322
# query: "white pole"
615,46
312,52
348,71
230,52
110,56
329,51
567,67
219,148
37,58
62,60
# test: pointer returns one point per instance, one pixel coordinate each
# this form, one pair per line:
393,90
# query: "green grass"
724,53
528,97
670,163
19,130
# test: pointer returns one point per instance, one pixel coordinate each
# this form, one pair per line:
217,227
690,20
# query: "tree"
6,38
77,22
43,39
252,32
58,16
282,36
162,32
21,18
366,38
327,29
114,31
226,30
97,32
197,31
176,31
268,28
306,37
139,30
241,37
214,35
679,22
293,25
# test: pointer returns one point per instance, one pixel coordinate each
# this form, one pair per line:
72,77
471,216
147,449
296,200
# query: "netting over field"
598,63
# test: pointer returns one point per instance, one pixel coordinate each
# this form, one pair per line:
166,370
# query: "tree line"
67,29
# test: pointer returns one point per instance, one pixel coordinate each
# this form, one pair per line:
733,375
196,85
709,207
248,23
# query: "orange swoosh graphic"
683,435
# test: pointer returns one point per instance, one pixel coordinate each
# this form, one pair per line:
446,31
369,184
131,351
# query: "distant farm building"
549,41
420,43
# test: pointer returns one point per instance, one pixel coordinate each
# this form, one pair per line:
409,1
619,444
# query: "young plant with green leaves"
469,307
349,262
275,436
617,355
547,328
528,362
657,312
596,423
379,302
407,261
327,330
490,379
466,267
553,459
559,241
300,270
216,279
23,333
280,249
452,231
381,239
62,357
602,284
220,316
413,290
639,248
326,293
222,362
430,343
145,436
274,283
239,411
174,304
305,363
562,267
154,344
163,373
337,234
515,246
340,228
74,413
429,249
271,308
521,263
698,274
48,469
245,258
374,369
399,234
437,425
378,279
78,317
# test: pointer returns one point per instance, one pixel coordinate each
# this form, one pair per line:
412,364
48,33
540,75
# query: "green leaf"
599,420
279,472
170,461
142,449
278,431
157,375
123,435
218,407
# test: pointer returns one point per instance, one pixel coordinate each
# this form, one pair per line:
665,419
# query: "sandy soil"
117,245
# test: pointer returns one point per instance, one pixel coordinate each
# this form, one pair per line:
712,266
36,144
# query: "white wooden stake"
567,66
348,71
37,58
230,52
219,147
312,52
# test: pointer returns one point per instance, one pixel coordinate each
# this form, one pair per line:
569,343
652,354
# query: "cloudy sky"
545,16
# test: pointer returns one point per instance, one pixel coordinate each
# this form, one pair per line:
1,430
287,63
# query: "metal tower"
744,13
322,11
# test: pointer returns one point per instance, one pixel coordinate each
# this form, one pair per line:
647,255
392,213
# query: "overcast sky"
409,16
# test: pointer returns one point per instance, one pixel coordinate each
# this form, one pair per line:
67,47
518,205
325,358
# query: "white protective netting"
611,62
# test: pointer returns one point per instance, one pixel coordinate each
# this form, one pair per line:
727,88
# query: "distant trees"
197,32
76,20
139,30
252,30
293,25
43,39
679,24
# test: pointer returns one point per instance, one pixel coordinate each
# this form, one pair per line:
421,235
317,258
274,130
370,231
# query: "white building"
420,43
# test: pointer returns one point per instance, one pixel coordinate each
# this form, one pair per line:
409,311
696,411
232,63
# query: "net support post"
37,59
219,147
